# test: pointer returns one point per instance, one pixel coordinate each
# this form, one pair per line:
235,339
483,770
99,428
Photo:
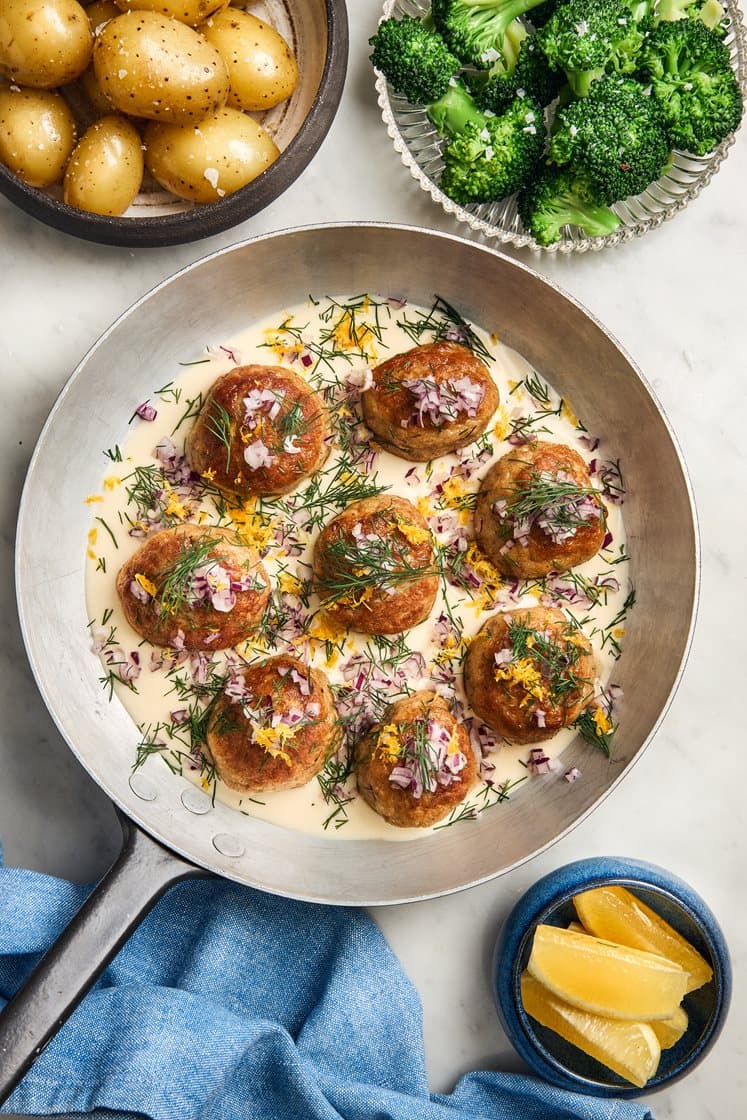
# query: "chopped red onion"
573,774
146,411
257,455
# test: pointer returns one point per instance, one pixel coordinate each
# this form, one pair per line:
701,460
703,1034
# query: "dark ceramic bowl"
318,33
549,902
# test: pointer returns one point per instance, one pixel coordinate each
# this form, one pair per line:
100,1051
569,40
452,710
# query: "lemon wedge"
616,914
630,1049
608,979
670,1031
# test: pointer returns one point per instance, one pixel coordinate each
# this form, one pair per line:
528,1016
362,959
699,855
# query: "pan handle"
142,872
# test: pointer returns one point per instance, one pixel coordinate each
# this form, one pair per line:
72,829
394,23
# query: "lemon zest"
93,498
388,743
146,584
525,674
112,481
602,723
272,740
413,533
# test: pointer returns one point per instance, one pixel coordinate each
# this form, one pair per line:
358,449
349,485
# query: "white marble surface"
675,300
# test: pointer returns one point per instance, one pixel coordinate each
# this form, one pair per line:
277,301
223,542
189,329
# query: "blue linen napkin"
231,1004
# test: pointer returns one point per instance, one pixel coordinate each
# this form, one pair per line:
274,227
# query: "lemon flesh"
617,915
632,1050
670,1031
608,979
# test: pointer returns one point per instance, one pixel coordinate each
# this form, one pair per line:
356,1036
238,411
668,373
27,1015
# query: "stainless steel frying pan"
171,836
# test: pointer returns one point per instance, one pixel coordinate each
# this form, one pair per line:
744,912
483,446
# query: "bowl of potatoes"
157,122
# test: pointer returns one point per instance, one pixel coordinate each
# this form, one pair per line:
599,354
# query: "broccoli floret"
496,88
693,83
492,160
559,197
414,60
709,12
616,135
586,41
478,31
541,14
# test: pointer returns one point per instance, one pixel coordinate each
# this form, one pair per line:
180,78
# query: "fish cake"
273,727
194,587
537,512
429,401
261,430
374,566
528,673
417,765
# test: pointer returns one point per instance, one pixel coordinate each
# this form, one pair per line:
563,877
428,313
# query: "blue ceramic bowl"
549,902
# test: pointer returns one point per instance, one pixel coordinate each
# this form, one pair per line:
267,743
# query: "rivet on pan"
196,801
143,787
228,845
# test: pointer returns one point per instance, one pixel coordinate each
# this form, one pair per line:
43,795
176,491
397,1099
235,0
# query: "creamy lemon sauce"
332,342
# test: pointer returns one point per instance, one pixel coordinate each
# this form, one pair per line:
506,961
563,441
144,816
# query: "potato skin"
44,43
372,766
540,554
154,67
245,765
202,626
506,705
388,405
261,66
191,12
37,134
105,171
221,154
229,470
336,553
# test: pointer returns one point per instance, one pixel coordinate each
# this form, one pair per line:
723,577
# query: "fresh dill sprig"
555,658
555,498
443,321
111,534
351,568
490,795
192,411
332,780
169,393
328,492
219,424
114,453
592,733
175,581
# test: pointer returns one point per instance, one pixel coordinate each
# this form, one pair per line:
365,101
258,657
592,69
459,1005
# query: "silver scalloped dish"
419,146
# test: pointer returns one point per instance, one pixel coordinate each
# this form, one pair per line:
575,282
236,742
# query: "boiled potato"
43,43
105,171
95,100
100,12
154,67
37,134
261,66
216,158
186,11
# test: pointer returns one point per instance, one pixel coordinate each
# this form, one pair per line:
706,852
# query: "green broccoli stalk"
616,136
414,60
496,88
559,197
588,41
693,83
709,12
487,161
479,31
